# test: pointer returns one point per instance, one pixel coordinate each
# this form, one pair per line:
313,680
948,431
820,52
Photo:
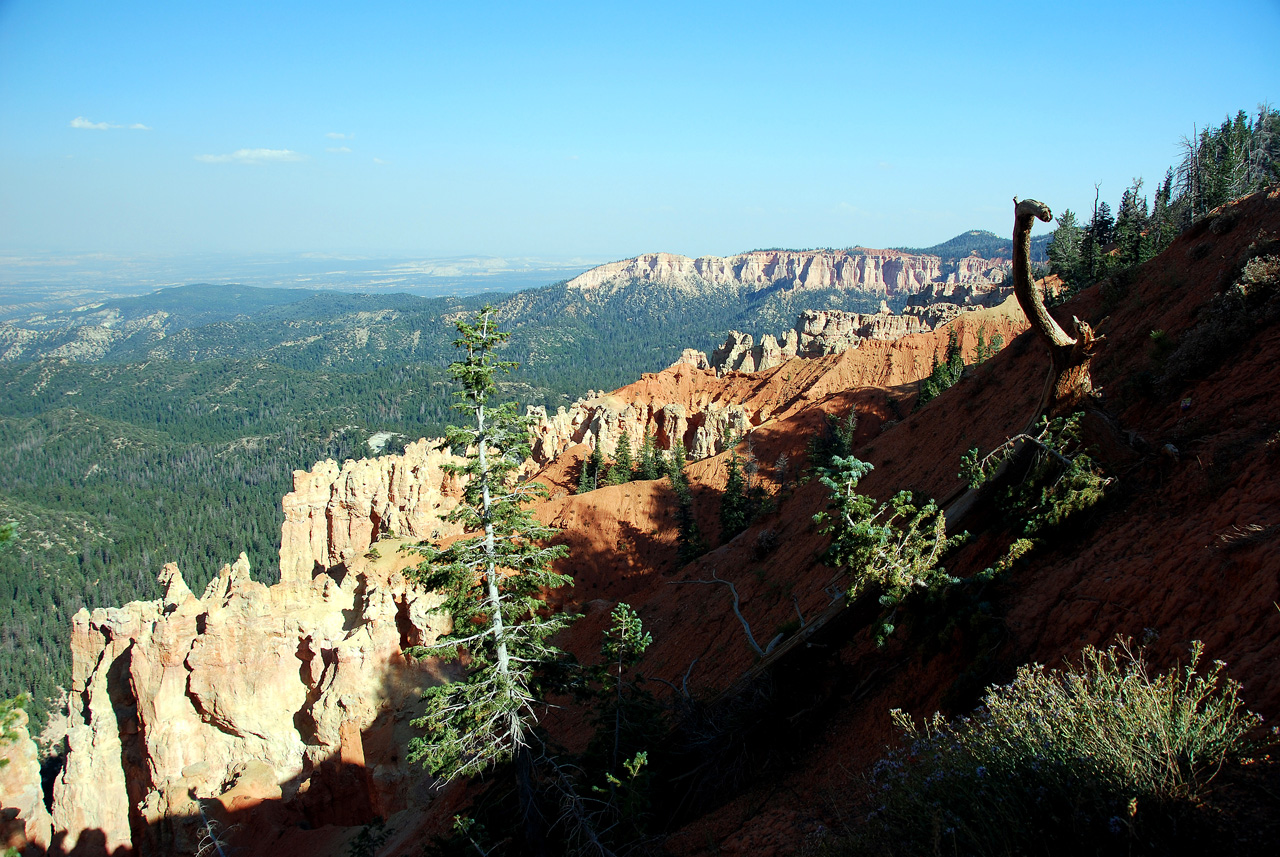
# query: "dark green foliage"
1065,251
675,463
734,510
944,374
1103,758
835,439
690,543
1059,481
491,581
1229,321
592,465
598,801
984,350
623,468
891,551
649,466
1227,162
612,781
1132,225
744,498
1161,344
370,839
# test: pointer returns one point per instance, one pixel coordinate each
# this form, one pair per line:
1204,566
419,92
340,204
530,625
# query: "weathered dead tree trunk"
1069,384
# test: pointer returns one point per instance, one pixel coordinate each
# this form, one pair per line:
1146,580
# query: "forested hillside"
986,244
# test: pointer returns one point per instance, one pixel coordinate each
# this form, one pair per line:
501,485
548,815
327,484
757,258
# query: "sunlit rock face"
334,513
23,818
246,693
886,272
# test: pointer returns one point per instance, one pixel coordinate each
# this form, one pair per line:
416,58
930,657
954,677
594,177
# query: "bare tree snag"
1069,383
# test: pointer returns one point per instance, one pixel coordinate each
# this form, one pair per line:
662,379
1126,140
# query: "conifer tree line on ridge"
1240,156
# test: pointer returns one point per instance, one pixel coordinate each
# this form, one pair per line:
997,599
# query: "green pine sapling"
891,550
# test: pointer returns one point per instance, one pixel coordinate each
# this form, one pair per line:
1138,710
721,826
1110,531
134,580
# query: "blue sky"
596,130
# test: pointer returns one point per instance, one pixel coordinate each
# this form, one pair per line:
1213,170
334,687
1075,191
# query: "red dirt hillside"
1184,550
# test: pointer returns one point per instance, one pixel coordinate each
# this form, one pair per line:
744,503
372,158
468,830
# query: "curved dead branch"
1069,383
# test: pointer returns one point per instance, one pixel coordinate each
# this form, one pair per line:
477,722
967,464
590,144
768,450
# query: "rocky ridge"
297,691
334,513
888,273
245,693
692,404
821,332
23,820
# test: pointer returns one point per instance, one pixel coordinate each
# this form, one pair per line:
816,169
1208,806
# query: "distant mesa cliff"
886,272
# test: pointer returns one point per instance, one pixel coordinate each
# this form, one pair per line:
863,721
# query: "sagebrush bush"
1098,758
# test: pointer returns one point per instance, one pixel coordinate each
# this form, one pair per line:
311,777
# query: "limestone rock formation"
735,354
23,818
247,692
695,358
821,332
833,331
704,429
334,513
977,270
965,293
738,354
887,272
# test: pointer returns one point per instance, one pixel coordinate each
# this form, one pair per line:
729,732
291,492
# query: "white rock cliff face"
298,690
334,513
887,272
171,698
23,820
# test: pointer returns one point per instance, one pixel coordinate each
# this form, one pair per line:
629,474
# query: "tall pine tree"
622,468
649,467
735,512
491,582
1064,250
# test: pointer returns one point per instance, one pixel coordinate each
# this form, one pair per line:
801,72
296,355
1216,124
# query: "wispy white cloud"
89,125
81,122
339,150
380,162
252,156
334,135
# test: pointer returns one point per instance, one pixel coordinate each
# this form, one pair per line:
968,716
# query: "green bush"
892,550
1061,481
1100,758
